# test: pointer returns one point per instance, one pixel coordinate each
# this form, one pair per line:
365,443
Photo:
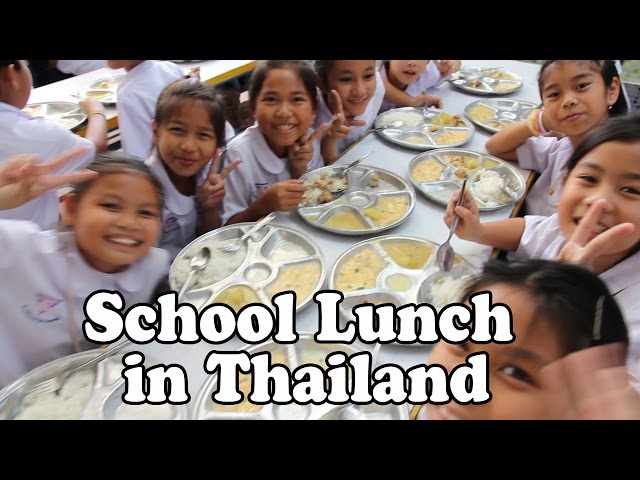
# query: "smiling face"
186,141
575,97
403,72
116,221
283,109
514,369
610,172
355,82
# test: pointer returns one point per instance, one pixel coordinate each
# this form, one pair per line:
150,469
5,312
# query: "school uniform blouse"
20,133
549,156
542,238
260,168
50,281
78,67
179,214
324,115
429,78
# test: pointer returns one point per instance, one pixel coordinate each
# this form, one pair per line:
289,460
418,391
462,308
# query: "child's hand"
586,244
283,196
22,179
301,152
91,105
447,67
469,227
211,192
340,124
194,72
425,100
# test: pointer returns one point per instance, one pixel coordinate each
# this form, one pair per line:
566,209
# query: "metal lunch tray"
419,132
263,260
391,269
360,202
447,182
304,351
103,90
487,82
105,401
66,114
493,114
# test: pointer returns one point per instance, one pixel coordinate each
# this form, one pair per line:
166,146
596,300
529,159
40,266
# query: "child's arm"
401,98
96,123
339,128
502,234
22,179
210,195
281,197
504,143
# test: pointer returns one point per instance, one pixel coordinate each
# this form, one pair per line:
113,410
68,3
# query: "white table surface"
425,221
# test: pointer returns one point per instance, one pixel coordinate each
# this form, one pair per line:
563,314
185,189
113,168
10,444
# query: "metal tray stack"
66,114
392,269
486,81
439,174
272,260
304,351
374,200
494,114
102,384
103,90
423,128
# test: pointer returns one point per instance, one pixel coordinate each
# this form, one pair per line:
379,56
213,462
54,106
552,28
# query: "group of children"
131,213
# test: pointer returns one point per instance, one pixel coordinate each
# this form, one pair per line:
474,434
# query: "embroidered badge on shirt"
171,223
42,311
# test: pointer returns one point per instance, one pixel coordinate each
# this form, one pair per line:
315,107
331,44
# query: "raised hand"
588,242
211,192
301,152
447,67
340,124
426,100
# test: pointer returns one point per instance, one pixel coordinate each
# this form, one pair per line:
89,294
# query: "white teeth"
124,241
285,128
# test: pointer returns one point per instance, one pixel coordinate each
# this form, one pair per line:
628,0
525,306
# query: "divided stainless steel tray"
103,90
104,388
493,114
304,351
480,81
66,114
274,259
439,174
424,128
364,206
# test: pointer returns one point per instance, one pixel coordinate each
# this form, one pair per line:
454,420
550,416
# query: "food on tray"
399,282
463,161
237,297
374,181
447,290
446,119
505,86
408,119
360,271
408,254
324,188
387,210
489,188
301,278
482,112
345,221
416,140
35,110
427,171
501,75
287,250
451,136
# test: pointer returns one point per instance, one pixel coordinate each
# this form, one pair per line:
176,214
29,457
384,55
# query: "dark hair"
192,89
606,68
573,301
620,129
112,163
303,68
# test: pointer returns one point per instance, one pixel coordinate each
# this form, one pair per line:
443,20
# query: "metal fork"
55,384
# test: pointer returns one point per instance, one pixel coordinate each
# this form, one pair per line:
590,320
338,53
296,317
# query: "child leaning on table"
349,97
137,97
406,81
21,133
556,309
188,135
576,96
280,147
598,220
114,220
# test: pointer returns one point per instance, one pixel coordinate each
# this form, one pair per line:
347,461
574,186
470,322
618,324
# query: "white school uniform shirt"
549,157
324,115
46,269
429,78
260,168
542,238
20,133
78,67
179,214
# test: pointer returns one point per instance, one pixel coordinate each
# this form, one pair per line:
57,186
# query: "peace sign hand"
301,152
340,124
211,192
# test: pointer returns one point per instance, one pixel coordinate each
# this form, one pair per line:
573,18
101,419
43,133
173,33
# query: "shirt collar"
261,150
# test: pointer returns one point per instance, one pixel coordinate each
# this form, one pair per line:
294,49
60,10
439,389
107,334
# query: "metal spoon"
235,245
396,124
356,412
197,263
445,254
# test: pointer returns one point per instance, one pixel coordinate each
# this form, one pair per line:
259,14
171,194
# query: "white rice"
447,290
287,251
488,187
408,119
68,405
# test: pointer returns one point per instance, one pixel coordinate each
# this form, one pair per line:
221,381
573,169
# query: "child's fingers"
229,168
336,102
601,242
60,160
51,182
352,122
589,222
321,130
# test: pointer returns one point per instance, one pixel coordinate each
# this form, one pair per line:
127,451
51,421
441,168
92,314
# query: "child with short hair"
280,147
576,96
115,220
21,133
556,309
